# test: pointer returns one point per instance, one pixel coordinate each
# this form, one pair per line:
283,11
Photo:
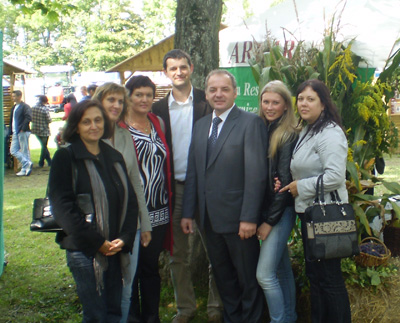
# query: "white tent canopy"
375,25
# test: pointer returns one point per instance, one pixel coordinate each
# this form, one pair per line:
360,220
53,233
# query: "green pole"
1,157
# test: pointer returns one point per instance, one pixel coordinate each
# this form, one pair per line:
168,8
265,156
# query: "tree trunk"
196,32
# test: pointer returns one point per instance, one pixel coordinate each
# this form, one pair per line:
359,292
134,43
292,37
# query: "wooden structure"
10,74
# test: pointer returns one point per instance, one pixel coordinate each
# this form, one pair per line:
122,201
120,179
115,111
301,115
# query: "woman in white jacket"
321,149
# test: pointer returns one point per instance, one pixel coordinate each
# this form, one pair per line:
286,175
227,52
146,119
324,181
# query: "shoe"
179,318
29,169
217,318
22,172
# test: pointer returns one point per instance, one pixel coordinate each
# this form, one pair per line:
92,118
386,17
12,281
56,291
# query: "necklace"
143,128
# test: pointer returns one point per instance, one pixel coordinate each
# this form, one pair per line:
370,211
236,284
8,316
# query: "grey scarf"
100,263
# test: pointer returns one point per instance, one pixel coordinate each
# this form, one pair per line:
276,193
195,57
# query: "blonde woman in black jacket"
274,271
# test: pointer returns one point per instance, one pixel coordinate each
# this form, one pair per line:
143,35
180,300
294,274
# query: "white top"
181,118
223,117
14,124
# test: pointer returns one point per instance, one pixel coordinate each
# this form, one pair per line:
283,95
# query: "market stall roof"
150,59
9,69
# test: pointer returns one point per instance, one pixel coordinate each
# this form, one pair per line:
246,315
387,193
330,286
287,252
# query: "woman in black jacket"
274,271
97,241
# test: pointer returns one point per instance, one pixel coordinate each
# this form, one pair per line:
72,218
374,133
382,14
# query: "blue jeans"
100,308
274,270
20,148
127,290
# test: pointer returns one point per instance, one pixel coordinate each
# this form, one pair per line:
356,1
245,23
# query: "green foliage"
366,276
51,10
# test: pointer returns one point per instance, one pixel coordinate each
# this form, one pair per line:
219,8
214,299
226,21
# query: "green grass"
36,285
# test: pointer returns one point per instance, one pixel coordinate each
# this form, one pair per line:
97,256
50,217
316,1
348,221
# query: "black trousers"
234,263
44,153
146,286
328,294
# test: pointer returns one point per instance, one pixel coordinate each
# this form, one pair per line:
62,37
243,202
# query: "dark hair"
223,72
176,54
75,116
72,99
43,99
138,81
330,113
17,93
92,87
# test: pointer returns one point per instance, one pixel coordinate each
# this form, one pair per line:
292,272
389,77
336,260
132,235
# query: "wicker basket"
367,260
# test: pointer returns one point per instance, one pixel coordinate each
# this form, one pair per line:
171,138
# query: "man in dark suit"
226,178
21,116
180,109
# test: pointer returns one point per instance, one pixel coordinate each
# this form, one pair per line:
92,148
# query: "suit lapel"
227,127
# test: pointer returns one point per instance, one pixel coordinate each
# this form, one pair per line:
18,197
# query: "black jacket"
279,166
23,115
78,234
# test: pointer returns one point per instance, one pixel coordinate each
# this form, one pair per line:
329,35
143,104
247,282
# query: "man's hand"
187,225
247,230
145,238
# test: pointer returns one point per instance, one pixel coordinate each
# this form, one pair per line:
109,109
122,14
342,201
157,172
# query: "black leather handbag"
330,228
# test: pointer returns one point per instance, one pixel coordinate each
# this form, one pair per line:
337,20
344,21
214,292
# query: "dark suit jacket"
231,187
23,117
200,109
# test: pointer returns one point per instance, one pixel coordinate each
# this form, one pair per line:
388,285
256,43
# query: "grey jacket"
123,142
323,153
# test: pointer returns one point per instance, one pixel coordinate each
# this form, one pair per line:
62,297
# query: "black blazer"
231,187
23,117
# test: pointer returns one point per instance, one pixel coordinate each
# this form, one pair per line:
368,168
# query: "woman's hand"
111,248
145,238
291,188
263,231
105,247
277,184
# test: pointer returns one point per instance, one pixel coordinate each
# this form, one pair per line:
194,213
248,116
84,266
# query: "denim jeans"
20,148
44,153
328,293
274,271
127,290
100,308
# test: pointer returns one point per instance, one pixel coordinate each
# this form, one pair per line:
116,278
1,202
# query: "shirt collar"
224,115
172,101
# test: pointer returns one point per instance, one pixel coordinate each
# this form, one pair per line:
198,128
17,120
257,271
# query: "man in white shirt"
180,109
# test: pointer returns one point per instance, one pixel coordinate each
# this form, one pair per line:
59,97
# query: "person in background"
91,89
40,127
71,102
274,269
97,245
153,154
20,117
226,178
84,92
321,149
180,109
114,99
58,139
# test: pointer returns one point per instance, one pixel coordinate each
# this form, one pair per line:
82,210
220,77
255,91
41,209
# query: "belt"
180,182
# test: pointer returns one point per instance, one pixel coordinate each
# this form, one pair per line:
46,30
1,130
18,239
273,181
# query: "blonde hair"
111,88
286,128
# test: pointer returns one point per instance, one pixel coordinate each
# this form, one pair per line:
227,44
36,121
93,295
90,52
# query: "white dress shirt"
181,118
223,117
